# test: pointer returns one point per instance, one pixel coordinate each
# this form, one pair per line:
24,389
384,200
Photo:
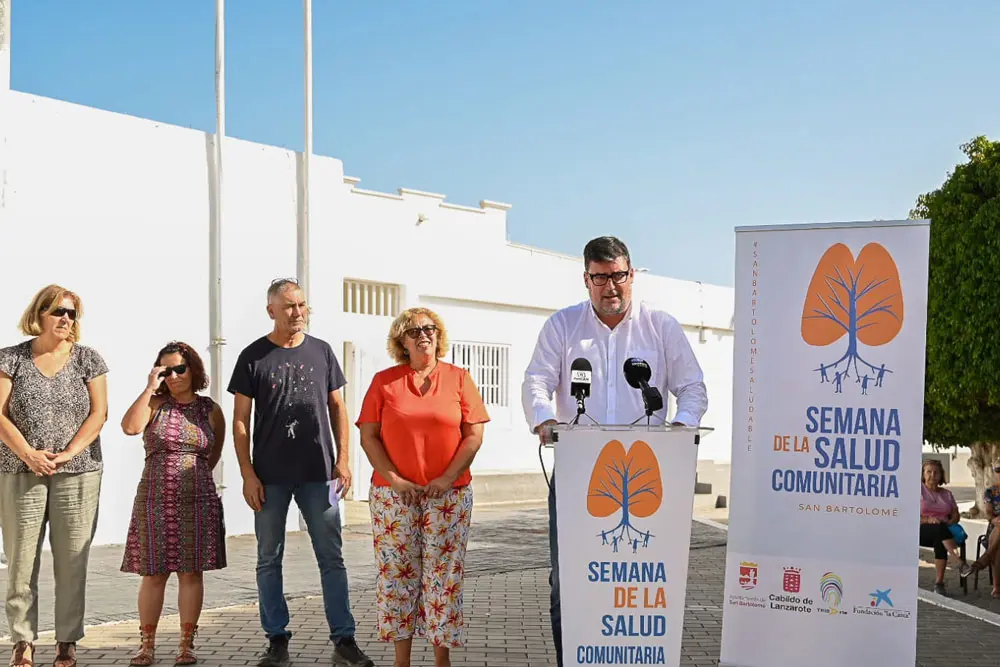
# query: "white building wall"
117,208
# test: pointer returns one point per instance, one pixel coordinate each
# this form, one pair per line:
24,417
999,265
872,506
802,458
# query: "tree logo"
629,483
862,299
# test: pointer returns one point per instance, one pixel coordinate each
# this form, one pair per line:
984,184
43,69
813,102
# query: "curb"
936,599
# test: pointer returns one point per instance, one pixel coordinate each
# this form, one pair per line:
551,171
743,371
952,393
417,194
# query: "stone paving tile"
506,608
980,596
504,624
501,539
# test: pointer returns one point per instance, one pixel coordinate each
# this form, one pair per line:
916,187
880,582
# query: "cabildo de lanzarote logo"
861,299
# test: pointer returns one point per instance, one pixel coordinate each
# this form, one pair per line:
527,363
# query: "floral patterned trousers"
420,556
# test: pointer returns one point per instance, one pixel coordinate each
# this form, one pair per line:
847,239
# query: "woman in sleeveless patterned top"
177,523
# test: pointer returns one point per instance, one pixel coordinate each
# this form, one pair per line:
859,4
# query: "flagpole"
215,221
302,264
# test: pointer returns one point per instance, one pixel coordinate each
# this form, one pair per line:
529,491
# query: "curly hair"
199,380
405,320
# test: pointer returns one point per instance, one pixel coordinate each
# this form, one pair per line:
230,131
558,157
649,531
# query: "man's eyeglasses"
601,279
59,312
180,369
415,332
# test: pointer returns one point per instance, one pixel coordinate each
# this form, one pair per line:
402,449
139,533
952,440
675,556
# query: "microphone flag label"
580,376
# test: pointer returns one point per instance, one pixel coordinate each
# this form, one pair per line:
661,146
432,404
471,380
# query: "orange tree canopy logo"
861,299
625,486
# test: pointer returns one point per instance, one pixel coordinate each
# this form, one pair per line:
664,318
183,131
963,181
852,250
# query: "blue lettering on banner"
620,655
626,572
856,454
631,625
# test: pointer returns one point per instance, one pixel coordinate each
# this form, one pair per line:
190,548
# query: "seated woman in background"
938,512
992,554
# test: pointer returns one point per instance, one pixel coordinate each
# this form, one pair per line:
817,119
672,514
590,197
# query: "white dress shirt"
652,335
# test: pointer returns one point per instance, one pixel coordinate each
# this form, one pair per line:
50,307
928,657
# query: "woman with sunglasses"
421,425
53,404
992,554
177,523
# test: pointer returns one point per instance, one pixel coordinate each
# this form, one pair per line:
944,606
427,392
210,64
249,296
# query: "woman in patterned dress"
53,404
177,523
421,426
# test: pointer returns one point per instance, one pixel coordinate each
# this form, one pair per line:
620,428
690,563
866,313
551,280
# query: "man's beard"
607,309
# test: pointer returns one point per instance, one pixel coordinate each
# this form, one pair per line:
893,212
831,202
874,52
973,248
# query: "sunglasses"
59,312
996,469
415,332
179,369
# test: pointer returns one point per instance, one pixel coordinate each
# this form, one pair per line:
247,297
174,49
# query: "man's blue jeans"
554,608
323,523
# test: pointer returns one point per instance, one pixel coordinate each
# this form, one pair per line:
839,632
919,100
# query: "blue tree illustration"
864,305
629,484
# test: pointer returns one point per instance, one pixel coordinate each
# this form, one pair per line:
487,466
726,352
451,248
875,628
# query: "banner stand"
828,359
624,501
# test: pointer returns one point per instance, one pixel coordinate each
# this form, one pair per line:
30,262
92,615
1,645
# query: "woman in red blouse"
421,425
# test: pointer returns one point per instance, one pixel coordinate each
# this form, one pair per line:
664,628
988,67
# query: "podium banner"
827,438
624,497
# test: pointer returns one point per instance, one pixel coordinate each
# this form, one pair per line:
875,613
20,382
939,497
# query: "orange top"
421,434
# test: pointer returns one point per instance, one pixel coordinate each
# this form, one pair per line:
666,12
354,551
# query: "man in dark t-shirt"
292,383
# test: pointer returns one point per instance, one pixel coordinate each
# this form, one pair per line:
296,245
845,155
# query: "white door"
361,362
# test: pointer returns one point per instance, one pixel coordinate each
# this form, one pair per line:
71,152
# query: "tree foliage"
962,389
962,404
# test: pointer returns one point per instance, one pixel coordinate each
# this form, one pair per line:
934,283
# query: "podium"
624,500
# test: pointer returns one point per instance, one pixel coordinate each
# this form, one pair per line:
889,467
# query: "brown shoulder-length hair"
45,301
199,380
934,463
403,322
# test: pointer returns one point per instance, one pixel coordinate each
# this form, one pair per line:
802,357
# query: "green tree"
962,389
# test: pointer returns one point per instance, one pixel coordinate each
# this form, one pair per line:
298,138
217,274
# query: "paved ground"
506,603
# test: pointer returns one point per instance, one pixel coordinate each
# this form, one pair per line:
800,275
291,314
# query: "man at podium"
594,339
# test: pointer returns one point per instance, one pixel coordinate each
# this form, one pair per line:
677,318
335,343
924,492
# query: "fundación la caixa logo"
861,299
625,486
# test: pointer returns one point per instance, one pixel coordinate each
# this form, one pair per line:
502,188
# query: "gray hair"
278,285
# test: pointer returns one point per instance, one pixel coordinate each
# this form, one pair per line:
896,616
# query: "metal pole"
215,224
302,247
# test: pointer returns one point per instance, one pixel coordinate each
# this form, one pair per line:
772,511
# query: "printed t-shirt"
421,434
290,388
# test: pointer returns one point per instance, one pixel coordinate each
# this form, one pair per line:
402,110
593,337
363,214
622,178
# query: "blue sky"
665,123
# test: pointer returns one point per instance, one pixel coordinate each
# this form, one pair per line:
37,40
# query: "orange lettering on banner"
659,600
625,596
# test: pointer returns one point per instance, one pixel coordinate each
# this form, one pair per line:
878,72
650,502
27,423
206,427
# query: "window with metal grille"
364,297
488,366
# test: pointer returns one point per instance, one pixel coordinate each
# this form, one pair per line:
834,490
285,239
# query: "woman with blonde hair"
421,425
991,557
53,404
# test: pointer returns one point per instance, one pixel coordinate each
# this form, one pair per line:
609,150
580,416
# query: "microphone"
579,387
637,374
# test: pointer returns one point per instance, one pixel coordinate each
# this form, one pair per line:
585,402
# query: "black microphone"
637,374
579,387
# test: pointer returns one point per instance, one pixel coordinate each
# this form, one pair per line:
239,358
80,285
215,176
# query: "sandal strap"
17,655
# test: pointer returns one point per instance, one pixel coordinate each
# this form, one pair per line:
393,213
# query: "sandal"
185,651
65,654
146,654
23,655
